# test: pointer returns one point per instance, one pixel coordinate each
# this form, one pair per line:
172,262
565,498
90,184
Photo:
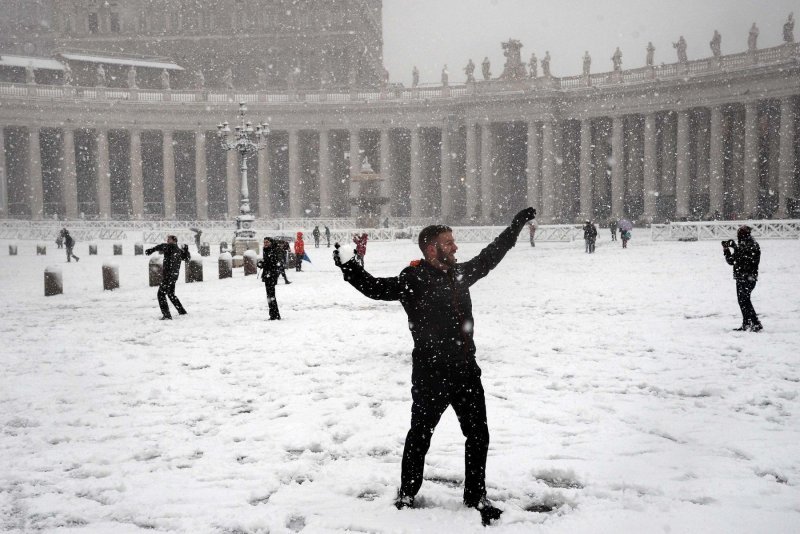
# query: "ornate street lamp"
246,140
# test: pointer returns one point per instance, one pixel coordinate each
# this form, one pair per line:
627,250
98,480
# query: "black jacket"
272,262
173,255
745,259
438,303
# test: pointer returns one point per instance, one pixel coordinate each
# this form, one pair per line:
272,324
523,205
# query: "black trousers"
271,300
744,288
167,289
464,392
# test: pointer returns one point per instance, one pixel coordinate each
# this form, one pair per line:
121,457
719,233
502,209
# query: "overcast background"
432,33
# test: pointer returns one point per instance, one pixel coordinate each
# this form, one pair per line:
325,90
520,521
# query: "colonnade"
737,159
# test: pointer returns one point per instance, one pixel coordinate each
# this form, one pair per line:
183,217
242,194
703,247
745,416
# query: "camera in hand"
728,243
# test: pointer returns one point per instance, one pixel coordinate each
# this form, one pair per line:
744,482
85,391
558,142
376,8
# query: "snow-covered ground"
617,395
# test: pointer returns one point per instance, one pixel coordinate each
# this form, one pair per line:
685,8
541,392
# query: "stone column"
682,166
137,183
69,179
750,185
786,158
34,185
324,173
650,192
265,181
487,171
3,176
473,193
355,163
103,176
445,181
417,193
617,168
716,180
702,163
551,168
169,176
586,170
534,177
232,183
295,193
200,176
386,171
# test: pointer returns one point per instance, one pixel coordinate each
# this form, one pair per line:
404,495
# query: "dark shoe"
287,282
756,328
77,259
166,318
278,318
740,329
487,510
403,501
184,312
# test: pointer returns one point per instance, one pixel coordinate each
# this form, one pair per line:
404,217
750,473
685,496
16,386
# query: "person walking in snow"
745,258
69,243
299,252
283,246
589,236
434,292
532,230
171,268
361,246
328,236
60,241
612,225
272,265
315,233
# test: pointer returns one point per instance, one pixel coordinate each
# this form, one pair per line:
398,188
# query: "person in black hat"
745,258
173,256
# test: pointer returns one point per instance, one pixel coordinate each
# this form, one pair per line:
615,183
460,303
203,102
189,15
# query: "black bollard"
138,249
12,250
117,249
225,265
41,250
250,260
194,270
92,250
53,283
205,250
155,267
110,276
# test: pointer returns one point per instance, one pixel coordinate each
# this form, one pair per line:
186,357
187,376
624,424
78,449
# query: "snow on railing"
713,230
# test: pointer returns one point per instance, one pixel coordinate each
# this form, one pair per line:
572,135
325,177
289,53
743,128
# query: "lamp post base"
244,237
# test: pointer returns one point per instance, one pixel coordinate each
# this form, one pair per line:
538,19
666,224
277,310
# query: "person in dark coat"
283,246
435,294
316,234
69,243
328,236
745,258
60,241
272,265
171,268
612,225
592,237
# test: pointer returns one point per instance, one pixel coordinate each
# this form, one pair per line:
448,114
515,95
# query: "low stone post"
250,260
41,250
194,270
110,276
238,261
205,250
53,283
12,250
92,249
117,249
225,265
155,268
138,249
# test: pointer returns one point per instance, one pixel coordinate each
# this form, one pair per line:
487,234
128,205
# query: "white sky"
432,33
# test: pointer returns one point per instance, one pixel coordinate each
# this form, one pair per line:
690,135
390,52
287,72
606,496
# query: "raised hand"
524,216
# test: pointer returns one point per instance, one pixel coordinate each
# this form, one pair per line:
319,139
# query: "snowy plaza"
619,399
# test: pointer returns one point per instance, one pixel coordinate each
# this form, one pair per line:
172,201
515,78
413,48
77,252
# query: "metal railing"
718,230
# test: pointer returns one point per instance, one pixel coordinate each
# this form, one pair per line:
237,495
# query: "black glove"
523,216
148,251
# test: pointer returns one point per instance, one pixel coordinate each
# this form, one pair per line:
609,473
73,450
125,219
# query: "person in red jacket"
361,247
299,252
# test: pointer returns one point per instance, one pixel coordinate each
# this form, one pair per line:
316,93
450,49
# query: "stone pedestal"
249,260
194,271
138,249
117,249
225,263
110,276
92,250
53,283
41,250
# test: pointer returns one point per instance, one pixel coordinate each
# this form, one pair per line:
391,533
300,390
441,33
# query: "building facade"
711,138
264,43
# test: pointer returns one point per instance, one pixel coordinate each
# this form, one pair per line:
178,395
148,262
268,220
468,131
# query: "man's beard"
442,257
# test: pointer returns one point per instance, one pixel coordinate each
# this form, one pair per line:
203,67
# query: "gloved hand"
523,216
340,257
148,251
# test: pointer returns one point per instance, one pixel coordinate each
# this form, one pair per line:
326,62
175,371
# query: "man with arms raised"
435,294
